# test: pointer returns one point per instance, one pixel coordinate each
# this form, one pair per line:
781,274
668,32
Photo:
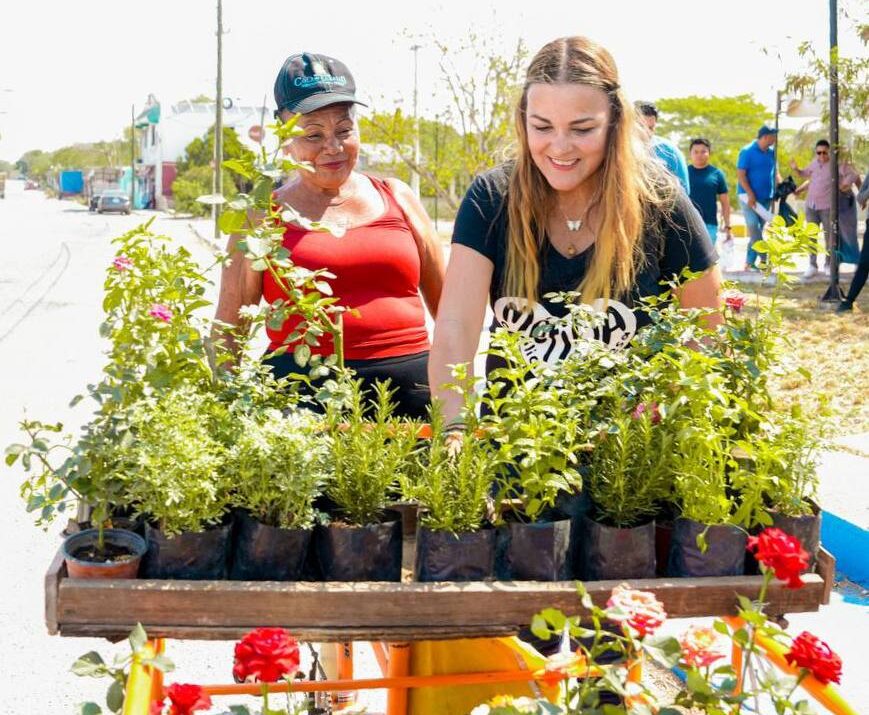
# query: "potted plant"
536,433
276,464
366,451
454,542
87,473
175,479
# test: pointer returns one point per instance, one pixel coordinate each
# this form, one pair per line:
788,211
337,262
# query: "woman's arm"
239,285
703,292
459,322
431,255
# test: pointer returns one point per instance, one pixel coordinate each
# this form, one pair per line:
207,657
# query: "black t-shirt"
670,244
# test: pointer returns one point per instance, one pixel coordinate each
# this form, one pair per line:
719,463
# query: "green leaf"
162,663
115,696
239,710
721,627
302,354
540,628
138,638
88,709
90,665
664,650
554,617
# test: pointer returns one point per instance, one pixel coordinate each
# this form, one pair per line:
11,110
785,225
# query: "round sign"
255,133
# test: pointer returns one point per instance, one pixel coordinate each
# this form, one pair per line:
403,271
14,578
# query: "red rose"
187,699
781,553
156,708
814,655
267,654
734,300
638,609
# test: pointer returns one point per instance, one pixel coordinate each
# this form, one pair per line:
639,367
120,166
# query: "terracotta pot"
125,568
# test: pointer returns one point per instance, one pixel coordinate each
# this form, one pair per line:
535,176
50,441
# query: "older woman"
583,207
387,255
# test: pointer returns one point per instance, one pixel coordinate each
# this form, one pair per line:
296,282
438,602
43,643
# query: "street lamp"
834,292
414,177
217,182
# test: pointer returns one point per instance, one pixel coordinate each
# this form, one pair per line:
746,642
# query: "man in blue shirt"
664,149
708,187
755,171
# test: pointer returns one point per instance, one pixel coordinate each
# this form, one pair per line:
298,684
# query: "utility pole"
834,292
778,98
132,156
414,177
217,182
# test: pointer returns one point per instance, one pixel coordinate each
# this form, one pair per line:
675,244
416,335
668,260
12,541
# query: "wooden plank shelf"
224,610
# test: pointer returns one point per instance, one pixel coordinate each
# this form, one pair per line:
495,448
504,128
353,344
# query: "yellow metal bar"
144,684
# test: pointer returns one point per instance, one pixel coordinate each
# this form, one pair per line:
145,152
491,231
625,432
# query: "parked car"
114,200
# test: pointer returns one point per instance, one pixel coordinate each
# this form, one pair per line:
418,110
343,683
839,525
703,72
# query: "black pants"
408,374
862,271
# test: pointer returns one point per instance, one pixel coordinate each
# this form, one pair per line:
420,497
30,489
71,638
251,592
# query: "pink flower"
638,609
650,407
122,263
734,300
701,646
161,312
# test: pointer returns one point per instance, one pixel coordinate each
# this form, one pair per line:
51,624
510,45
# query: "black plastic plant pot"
198,556
724,555
120,557
444,556
534,552
610,552
360,553
663,539
806,528
267,553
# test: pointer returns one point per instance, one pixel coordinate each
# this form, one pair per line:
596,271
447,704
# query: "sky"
70,72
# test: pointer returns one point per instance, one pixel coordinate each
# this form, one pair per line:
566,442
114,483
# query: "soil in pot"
360,553
807,528
267,553
444,556
120,557
610,552
724,555
197,556
538,551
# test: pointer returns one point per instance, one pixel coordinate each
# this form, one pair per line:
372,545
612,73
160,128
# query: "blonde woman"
582,207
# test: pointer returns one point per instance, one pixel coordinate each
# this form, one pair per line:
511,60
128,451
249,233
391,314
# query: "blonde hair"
631,187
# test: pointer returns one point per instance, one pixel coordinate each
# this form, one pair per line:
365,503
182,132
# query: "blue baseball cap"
765,130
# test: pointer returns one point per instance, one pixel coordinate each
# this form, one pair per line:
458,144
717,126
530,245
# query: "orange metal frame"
145,684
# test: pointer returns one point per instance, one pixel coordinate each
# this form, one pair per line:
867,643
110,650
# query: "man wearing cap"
756,174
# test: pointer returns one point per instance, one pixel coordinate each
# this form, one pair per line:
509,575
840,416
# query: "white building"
167,133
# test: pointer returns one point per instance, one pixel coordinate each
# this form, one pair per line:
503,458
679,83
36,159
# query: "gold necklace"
573,227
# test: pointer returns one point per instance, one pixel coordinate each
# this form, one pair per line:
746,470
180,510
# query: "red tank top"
377,271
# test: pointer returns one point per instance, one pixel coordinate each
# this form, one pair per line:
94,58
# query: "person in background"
818,198
708,189
755,170
849,179
859,279
663,148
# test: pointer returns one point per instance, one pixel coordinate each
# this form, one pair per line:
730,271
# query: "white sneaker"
811,272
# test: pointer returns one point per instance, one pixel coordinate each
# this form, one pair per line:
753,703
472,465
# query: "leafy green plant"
174,473
453,480
92,665
277,466
367,450
536,431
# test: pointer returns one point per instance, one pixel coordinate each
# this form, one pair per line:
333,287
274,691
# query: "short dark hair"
700,140
822,142
647,109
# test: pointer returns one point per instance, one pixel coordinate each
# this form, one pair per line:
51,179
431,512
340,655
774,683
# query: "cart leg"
144,684
736,653
344,657
398,666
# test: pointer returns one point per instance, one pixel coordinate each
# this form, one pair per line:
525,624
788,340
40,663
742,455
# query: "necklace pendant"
571,249
574,225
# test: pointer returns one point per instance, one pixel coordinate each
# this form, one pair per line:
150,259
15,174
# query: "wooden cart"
390,615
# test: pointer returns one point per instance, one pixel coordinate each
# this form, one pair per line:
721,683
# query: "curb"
849,544
210,243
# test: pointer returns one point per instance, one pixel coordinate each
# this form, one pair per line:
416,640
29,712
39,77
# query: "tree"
477,123
729,123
